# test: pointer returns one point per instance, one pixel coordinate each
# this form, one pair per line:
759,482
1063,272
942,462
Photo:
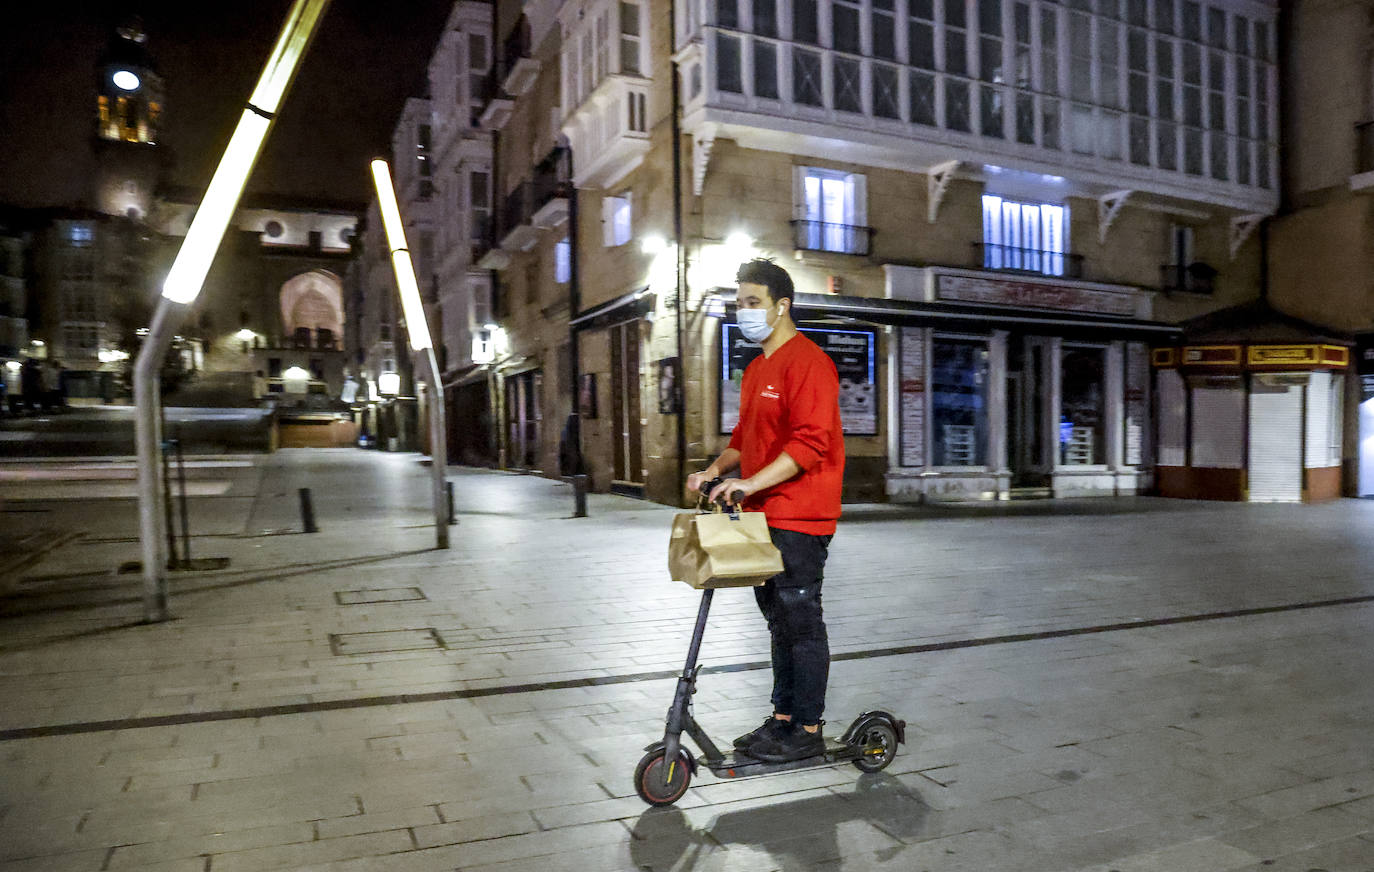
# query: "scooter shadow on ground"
794,836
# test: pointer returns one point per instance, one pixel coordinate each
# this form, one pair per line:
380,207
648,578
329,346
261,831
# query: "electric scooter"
667,768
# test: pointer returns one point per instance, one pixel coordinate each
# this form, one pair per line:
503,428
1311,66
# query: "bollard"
452,513
307,512
579,483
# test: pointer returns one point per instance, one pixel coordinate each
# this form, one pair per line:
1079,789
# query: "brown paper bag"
722,550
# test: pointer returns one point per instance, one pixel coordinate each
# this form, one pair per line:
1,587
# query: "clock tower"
129,107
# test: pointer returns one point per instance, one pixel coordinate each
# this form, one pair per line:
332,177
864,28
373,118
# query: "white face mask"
753,323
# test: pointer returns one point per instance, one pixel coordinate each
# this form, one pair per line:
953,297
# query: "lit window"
616,223
1024,236
562,261
82,234
832,207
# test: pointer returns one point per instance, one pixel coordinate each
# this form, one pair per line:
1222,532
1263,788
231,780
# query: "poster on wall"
1364,365
586,395
854,353
1137,401
668,370
912,385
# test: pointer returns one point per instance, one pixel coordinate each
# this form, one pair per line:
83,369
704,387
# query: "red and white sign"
1032,295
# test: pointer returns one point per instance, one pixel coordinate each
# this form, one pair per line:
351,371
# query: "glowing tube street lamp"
418,329
187,276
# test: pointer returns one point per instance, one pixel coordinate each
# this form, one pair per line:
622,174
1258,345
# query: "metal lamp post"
418,329
187,276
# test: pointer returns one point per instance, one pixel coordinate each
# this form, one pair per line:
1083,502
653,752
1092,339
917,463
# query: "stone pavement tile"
620,808
1202,855
324,850
1346,855
493,826
1292,801
965,852
1292,835
75,861
1060,842
376,822
538,844
140,856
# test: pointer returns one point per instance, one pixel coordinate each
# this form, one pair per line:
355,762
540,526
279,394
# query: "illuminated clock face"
125,80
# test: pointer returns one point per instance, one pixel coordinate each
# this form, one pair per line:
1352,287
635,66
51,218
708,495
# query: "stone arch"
313,301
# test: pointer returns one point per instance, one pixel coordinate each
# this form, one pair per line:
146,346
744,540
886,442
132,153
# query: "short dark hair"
760,271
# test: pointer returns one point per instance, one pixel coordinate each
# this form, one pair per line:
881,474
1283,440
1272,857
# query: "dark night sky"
366,59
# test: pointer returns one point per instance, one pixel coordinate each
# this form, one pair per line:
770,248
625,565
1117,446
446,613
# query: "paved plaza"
1090,685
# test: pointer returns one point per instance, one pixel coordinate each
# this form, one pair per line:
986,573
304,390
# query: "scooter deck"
738,765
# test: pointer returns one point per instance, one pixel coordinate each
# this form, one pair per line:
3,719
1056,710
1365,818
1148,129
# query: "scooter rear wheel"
877,746
649,781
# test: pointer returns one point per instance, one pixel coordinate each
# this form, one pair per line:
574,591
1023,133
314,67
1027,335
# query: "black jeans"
791,604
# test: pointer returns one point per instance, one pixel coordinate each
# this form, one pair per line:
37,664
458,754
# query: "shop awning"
626,307
964,316
473,372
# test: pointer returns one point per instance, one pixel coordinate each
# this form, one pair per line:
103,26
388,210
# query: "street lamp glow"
126,80
389,384
246,335
187,275
296,373
411,306
739,241
653,244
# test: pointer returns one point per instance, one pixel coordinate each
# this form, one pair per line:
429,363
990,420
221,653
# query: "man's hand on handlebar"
731,491
697,479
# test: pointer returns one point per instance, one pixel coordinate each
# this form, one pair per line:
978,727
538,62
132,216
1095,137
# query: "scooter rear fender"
851,735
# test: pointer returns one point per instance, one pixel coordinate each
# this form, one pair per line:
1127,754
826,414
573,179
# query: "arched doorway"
312,313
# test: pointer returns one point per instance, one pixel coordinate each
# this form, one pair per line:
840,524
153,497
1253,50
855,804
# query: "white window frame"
562,261
617,220
809,204
1025,235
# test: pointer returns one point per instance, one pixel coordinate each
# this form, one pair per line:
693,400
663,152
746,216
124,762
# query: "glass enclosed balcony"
1169,96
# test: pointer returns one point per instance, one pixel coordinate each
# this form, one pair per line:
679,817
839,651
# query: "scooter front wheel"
653,787
877,744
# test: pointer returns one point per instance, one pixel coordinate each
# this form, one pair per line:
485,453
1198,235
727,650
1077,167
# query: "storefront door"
524,405
1028,396
627,428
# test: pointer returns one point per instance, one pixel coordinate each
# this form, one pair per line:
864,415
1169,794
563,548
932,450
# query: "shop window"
1024,236
1082,434
958,378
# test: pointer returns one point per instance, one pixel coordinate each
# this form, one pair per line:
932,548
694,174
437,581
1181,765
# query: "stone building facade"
992,212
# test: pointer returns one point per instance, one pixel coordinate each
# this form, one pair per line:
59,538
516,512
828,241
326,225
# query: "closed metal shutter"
1173,419
1276,433
1219,426
1318,420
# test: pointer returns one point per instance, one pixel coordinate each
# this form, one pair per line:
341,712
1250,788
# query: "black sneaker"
769,728
794,744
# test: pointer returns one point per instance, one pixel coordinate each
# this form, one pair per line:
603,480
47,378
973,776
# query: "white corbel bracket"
937,182
702,142
1242,226
1108,207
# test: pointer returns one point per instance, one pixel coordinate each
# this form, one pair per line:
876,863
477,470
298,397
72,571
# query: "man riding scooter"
787,458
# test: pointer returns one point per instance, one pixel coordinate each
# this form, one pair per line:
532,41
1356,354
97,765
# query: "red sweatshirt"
790,402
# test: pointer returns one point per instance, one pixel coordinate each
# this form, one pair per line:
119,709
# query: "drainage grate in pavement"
385,641
378,595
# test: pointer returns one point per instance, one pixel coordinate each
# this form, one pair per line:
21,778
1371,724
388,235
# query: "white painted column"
997,411
1115,402
1054,395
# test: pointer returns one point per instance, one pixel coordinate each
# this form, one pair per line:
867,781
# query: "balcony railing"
825,236
1011,258
1194,278
1364,147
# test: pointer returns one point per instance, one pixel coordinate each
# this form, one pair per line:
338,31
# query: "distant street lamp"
418,329
187,276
